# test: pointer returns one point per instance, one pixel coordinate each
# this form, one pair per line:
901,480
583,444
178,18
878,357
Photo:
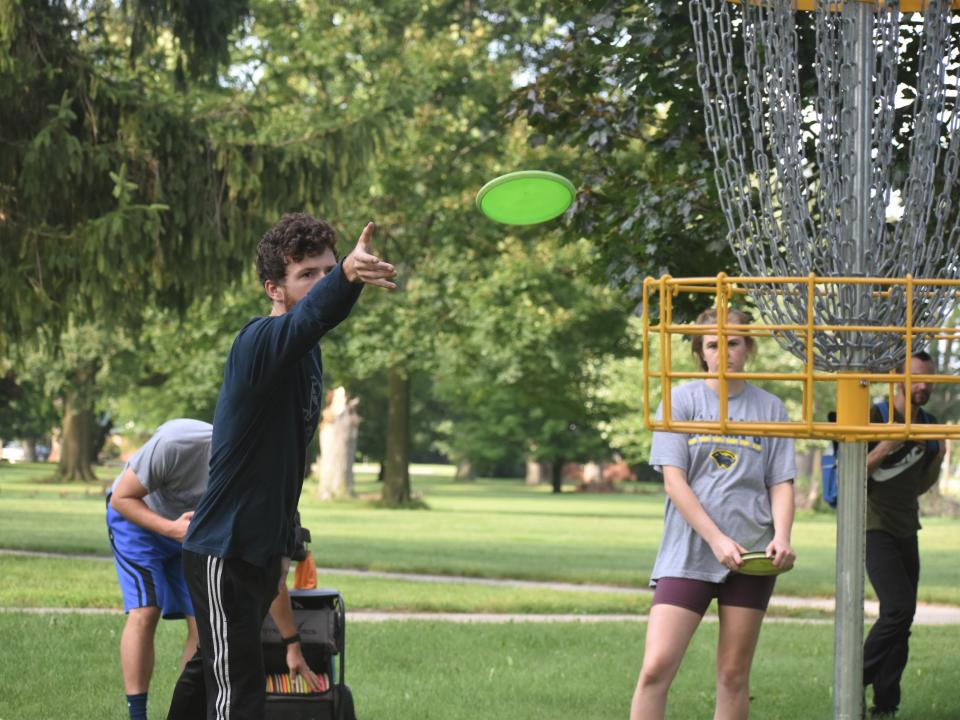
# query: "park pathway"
378,616
927,613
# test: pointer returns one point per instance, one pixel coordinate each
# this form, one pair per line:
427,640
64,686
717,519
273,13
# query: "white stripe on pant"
218,627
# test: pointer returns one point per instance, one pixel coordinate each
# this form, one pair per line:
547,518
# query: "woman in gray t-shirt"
726,495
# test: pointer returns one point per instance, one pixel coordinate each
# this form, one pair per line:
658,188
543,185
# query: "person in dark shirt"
899,472
237,551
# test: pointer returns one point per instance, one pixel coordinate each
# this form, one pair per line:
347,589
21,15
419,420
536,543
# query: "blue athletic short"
149,568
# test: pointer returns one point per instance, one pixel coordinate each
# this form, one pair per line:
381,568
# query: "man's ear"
274,290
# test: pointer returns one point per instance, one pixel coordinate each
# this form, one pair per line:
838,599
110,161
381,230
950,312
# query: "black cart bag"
320,620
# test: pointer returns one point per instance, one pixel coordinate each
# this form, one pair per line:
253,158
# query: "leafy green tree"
178,368
618,84
518,372
448,68
86,360
25,411
451,140
125,187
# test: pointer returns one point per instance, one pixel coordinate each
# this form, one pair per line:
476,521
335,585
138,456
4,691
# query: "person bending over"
149,507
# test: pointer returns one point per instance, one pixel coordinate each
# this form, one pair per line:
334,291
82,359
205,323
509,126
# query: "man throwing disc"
237,550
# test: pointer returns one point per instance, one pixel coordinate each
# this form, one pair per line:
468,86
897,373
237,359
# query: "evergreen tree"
139,170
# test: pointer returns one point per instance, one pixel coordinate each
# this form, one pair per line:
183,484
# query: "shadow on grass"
411,504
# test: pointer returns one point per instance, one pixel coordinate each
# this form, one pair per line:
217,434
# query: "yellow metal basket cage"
852,388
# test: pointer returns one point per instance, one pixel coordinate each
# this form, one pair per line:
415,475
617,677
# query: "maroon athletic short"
749,591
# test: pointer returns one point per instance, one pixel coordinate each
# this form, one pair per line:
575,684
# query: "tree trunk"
556,477
464,472
593,479
806,486
396,475
338,446
29,451
76,461
55,445
537,472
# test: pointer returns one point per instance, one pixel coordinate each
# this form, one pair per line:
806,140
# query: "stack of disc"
286,684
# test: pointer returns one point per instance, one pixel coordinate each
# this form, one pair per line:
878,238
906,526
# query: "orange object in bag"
305,576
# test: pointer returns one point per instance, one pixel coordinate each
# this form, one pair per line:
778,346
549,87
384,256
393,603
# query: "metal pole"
853,401
848,649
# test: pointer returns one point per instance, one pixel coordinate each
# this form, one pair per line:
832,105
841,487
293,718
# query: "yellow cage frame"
906,6
853,388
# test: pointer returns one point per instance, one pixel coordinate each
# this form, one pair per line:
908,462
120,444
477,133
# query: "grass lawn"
82,583
35,479
59,667
65,668
488,528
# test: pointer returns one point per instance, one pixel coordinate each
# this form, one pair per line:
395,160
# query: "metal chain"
789,214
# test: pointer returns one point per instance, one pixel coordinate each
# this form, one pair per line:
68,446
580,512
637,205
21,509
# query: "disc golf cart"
320,619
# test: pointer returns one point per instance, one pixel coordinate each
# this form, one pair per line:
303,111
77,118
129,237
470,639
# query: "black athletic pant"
893,565
225,679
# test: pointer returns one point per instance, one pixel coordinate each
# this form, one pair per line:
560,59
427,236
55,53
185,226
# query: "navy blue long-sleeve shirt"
267,412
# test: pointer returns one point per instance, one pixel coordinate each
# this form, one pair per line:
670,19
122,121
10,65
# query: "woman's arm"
781,505
725,549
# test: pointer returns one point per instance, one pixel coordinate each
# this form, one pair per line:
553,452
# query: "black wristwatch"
295,638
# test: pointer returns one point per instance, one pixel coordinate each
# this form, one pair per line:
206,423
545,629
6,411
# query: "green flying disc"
526,197
757,563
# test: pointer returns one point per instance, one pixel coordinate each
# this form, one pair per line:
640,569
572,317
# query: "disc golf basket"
805,183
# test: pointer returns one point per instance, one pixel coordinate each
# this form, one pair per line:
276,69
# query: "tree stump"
537,472
339,427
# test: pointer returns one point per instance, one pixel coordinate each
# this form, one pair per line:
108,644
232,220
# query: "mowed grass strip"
81,583
66,668
489,528
75,525
68,583
36,479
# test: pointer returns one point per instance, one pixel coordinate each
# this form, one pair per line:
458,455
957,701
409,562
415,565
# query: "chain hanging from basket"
805,183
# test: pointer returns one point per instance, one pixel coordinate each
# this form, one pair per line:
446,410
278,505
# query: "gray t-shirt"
730,475
173,467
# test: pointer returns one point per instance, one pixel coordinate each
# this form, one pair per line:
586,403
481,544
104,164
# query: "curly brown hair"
709,317
294,237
